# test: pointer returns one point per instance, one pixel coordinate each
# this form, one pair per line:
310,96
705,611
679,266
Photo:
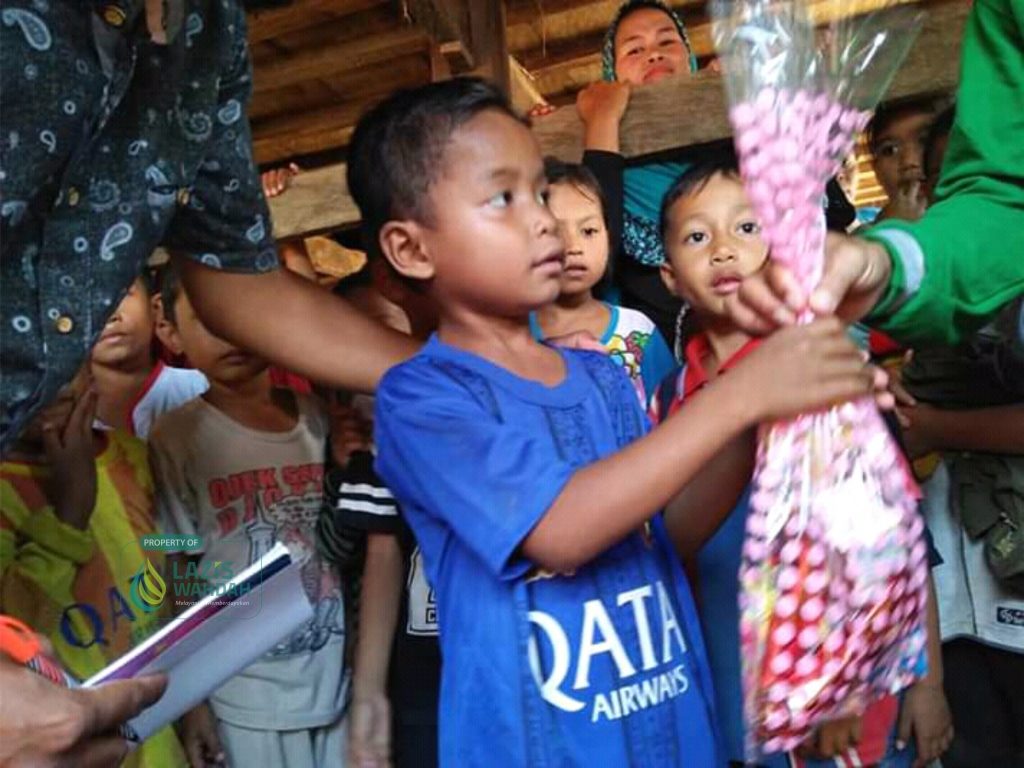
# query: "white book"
215,639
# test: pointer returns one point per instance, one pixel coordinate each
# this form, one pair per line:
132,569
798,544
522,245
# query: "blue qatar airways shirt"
602,667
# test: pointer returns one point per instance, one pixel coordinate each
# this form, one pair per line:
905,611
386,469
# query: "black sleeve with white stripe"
362,500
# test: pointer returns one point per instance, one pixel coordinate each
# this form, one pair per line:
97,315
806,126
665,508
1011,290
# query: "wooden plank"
440,67
295,98
315,202
300,14
331,31
306,132
547,25
447,21
351,85
676,113
329,61
568,77
488,43
527,11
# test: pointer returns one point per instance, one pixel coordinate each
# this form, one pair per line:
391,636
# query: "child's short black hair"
582,178
147,277
170,290
398,146
886,114
940,128
696,177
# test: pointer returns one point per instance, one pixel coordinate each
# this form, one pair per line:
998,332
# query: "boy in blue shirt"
568,632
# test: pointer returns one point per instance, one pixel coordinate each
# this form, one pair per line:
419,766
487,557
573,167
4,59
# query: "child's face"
649,48
219,360
936,155
129,332
581,224
491,247
898,150
713,242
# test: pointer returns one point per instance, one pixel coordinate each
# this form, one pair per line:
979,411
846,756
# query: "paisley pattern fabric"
113,144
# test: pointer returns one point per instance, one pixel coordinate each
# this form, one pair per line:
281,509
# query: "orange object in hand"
21,644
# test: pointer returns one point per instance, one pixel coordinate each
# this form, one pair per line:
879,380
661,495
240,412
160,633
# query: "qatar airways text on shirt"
653,674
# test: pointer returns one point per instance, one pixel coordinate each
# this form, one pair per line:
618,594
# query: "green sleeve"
960,263
38,573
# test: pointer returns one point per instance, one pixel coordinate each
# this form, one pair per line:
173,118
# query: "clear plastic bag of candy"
834,574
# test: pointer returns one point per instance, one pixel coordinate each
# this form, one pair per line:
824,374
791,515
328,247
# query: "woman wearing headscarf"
645,43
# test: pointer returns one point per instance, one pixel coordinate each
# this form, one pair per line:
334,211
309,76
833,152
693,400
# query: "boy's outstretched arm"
999,429
797,369
697,512
295,324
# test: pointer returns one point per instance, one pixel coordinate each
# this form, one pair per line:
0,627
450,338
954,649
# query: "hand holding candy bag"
833,575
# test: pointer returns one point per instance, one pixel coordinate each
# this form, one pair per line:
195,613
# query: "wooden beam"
351,85
552,23
570,75
329,61
447,21
294,98
315,202
440,68
488,43
300,14
306,132
676,113
330,31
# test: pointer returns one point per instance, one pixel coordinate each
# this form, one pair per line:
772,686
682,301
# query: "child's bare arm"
925,714
796,370
999,429
381,597
369,716
693,516
295,324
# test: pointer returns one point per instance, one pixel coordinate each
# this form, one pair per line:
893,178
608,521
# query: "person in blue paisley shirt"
125,128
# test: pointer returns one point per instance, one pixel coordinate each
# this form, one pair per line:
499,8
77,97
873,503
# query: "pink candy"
832,606
784,634
812,609
807,666
808,638
781,663
785,607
